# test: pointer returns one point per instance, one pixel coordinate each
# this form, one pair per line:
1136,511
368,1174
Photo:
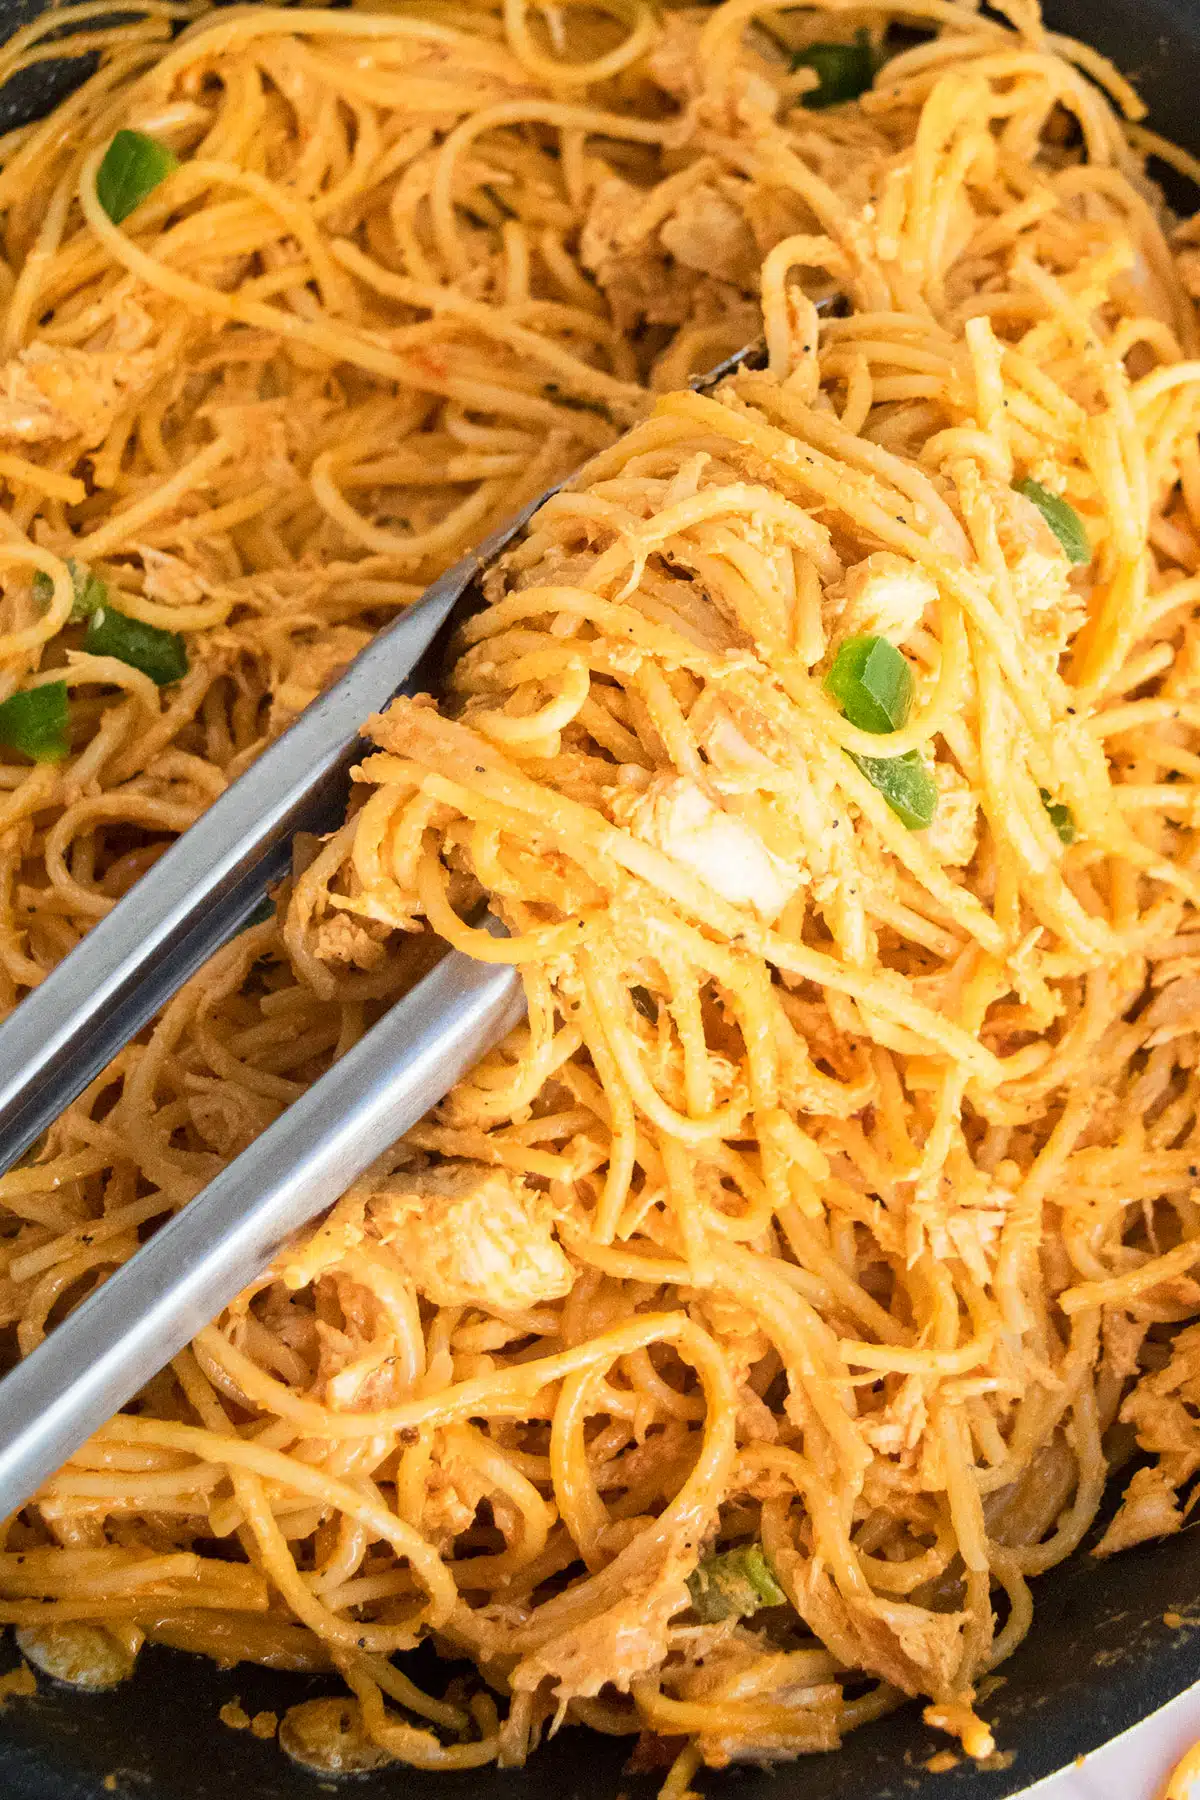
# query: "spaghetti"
721,1359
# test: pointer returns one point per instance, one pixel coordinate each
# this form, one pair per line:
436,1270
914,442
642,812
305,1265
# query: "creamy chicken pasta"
721,1360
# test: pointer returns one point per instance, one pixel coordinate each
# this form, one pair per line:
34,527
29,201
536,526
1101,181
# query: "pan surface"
1100,1656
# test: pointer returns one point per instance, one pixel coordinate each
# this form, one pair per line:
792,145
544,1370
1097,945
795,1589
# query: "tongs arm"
67,1030
109,1347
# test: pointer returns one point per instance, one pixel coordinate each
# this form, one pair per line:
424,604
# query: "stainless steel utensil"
125,1331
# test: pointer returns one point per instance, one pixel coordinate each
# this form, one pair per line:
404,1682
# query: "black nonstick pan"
1101,1655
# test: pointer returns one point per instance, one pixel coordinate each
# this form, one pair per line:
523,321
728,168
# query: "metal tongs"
194,898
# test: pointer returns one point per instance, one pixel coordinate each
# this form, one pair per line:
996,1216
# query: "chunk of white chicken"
674,61
676,816
469,1234
705,273
707,232
885,595
954,832
51,395
169,580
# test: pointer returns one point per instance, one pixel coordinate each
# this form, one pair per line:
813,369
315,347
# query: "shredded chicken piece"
364,1363
954,832
674,60
130,326
707,232
897,1428
747,93
643,278
51,395
678,818
614,1647
469,1234
1162,1408
885,595
915,1649
451,1501
454,1490
1123,1338
974,1232
230,1117
737,762
169,580
362,943
1149,1510
1173,1013
368,1383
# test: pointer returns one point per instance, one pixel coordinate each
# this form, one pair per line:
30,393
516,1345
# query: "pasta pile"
721,1359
